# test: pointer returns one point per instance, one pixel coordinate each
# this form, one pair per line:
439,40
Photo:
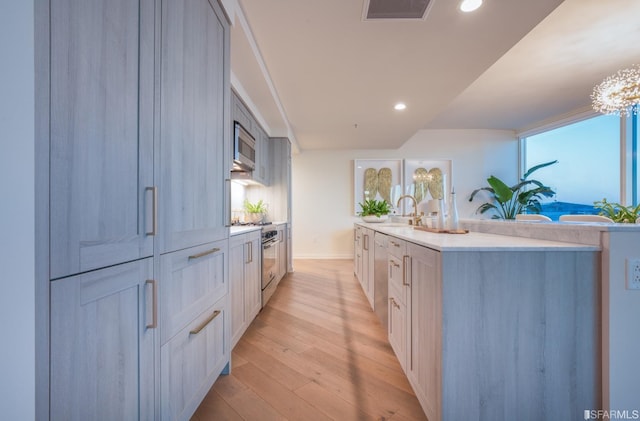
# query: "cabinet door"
424,344
102,344
241,114
398,267
397,328
101,133
366,280
357,261
237,246
191,280
193,88
253,276
282,255
191,361
262,173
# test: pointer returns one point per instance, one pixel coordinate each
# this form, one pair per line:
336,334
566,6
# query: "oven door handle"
270,244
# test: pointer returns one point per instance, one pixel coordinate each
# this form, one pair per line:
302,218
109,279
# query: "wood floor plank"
316,351
272,367
213,407
281,398
243,400
331,404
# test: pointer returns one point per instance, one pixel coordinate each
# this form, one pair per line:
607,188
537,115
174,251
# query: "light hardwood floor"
315,352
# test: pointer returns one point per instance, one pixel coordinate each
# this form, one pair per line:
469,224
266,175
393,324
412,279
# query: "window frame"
629,182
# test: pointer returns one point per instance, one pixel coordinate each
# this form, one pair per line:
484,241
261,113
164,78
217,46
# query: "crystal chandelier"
618,94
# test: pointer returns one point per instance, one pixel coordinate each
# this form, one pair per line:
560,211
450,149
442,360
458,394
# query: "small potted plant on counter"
374,210
510,201
255,212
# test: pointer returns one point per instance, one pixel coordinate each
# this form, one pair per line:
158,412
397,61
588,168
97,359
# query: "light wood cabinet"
136,135
368,264
424,326
364,262
190,281
246,288
262,172
100,133
357,261
241,114
492,334
397,327
264,149
102,344
193,165
192,360
282,252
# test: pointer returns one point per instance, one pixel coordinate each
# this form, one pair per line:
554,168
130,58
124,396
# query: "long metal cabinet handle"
366,242
154,305
205,323
154,211
250,254
204,253
390,316
405,259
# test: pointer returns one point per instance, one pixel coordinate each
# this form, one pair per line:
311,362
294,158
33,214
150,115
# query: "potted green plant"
255,212
374,210
507,201
617,212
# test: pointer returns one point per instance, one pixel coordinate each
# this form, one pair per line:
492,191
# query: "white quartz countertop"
474,241
243,229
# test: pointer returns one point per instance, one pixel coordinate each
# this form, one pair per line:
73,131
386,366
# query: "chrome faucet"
416,220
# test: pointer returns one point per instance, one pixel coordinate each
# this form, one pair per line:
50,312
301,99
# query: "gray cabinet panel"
101,133
192,360
191,280
101,348
246,288
193,165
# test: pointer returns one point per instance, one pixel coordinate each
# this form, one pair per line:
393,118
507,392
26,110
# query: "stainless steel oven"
270,242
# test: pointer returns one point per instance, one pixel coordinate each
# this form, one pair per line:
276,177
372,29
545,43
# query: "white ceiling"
316,72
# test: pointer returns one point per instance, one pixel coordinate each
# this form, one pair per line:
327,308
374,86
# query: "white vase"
374,218
254,218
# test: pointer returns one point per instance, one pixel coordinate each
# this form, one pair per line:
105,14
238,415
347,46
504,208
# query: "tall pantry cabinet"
137,99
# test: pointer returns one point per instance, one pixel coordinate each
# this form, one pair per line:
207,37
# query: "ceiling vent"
396,9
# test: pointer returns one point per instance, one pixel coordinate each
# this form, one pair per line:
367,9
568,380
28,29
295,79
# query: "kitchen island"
493,326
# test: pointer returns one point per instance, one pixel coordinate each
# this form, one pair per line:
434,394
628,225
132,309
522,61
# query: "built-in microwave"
244,149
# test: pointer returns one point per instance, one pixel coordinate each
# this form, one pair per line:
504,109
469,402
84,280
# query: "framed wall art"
427,180
379,179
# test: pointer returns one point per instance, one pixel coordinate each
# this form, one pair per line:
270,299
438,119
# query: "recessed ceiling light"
400,106
470,5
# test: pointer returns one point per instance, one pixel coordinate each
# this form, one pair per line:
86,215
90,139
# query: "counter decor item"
441,214
507,201
374,210
427,179
255,212
617,212
453,212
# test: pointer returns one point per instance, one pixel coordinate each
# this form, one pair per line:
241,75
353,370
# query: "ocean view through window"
588,168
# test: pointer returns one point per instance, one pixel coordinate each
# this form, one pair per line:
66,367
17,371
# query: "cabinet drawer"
192,360
190,280
398,275
396,247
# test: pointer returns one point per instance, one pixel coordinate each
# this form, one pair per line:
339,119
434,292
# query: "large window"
588,169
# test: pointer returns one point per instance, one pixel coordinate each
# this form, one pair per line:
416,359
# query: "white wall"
323,184
17,278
